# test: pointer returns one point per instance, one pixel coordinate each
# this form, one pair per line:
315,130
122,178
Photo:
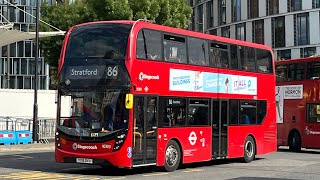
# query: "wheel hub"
171,155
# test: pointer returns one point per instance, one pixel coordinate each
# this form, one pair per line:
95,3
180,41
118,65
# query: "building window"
192,25
258,31
315,3
236,10
284,54
301,29
200,18
222,12
253,10
225,31
272,7
210,14
294,5
241,31
278,32
307,52
191,2
213,31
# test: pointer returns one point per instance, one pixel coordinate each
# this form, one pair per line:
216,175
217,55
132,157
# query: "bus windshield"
95,57
93,112
108,41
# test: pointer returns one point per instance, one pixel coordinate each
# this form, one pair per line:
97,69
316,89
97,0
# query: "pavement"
27,147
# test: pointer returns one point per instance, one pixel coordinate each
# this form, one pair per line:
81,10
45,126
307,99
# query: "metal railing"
46,127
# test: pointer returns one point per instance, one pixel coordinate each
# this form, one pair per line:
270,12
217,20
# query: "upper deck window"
175,49
281,73
313,71
264,61
107,41
149,45
198,51
219,55
296,71
247,57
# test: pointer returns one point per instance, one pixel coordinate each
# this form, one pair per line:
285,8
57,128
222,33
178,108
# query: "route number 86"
112,71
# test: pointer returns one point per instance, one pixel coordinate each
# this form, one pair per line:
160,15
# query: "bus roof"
148,24
290,61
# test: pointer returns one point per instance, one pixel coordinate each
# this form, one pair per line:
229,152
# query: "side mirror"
129,101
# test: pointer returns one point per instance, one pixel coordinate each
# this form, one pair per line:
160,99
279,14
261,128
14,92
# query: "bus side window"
234,112
174,110
247,57
281,73
313,71
264,61
175,49
248,111
149,45
219,55
198,51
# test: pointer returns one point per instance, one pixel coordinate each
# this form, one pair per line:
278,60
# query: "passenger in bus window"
245,119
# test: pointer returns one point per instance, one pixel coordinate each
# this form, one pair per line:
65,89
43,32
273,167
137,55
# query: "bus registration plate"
84,160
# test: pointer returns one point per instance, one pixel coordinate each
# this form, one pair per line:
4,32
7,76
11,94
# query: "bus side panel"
195,143
237,136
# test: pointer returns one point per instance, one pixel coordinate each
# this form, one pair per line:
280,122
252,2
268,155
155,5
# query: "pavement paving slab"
27,147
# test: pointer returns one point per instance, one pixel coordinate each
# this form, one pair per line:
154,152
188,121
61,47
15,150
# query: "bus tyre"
249,150
295,141
172,156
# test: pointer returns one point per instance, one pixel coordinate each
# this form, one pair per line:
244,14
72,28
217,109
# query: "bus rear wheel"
172,156
295,141
249,150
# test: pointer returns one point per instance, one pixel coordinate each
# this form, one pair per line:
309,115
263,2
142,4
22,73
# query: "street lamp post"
35,134
8,51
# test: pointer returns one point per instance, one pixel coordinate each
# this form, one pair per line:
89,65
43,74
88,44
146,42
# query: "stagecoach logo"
76,146
192,138
310,132
143,76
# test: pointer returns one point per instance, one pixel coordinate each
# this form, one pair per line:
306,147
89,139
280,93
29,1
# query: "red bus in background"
157,95
298,103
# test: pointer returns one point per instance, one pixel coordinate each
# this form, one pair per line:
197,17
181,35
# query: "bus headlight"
57,140
120,138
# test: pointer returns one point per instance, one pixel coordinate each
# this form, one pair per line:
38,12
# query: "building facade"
17,68
290,27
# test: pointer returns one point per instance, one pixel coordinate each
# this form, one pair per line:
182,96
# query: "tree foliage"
173,13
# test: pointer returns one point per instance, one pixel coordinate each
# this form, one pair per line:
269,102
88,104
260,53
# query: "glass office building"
18,72
290,27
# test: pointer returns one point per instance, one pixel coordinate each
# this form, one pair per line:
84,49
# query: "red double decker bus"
298,103
145,94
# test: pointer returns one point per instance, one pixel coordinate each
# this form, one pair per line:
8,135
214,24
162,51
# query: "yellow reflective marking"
155,174
193,170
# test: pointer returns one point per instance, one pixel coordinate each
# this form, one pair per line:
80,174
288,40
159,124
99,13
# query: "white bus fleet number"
112,71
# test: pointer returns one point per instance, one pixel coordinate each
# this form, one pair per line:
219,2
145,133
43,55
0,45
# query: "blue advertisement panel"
196,81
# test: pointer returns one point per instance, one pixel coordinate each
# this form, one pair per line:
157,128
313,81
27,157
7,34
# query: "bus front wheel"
249,150
172,156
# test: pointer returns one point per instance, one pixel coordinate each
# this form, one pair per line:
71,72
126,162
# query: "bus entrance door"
219,128
144,130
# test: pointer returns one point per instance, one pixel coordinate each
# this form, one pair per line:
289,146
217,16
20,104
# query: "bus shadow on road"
303,150
45,162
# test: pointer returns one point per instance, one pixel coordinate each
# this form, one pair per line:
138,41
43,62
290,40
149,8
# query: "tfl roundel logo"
141,76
